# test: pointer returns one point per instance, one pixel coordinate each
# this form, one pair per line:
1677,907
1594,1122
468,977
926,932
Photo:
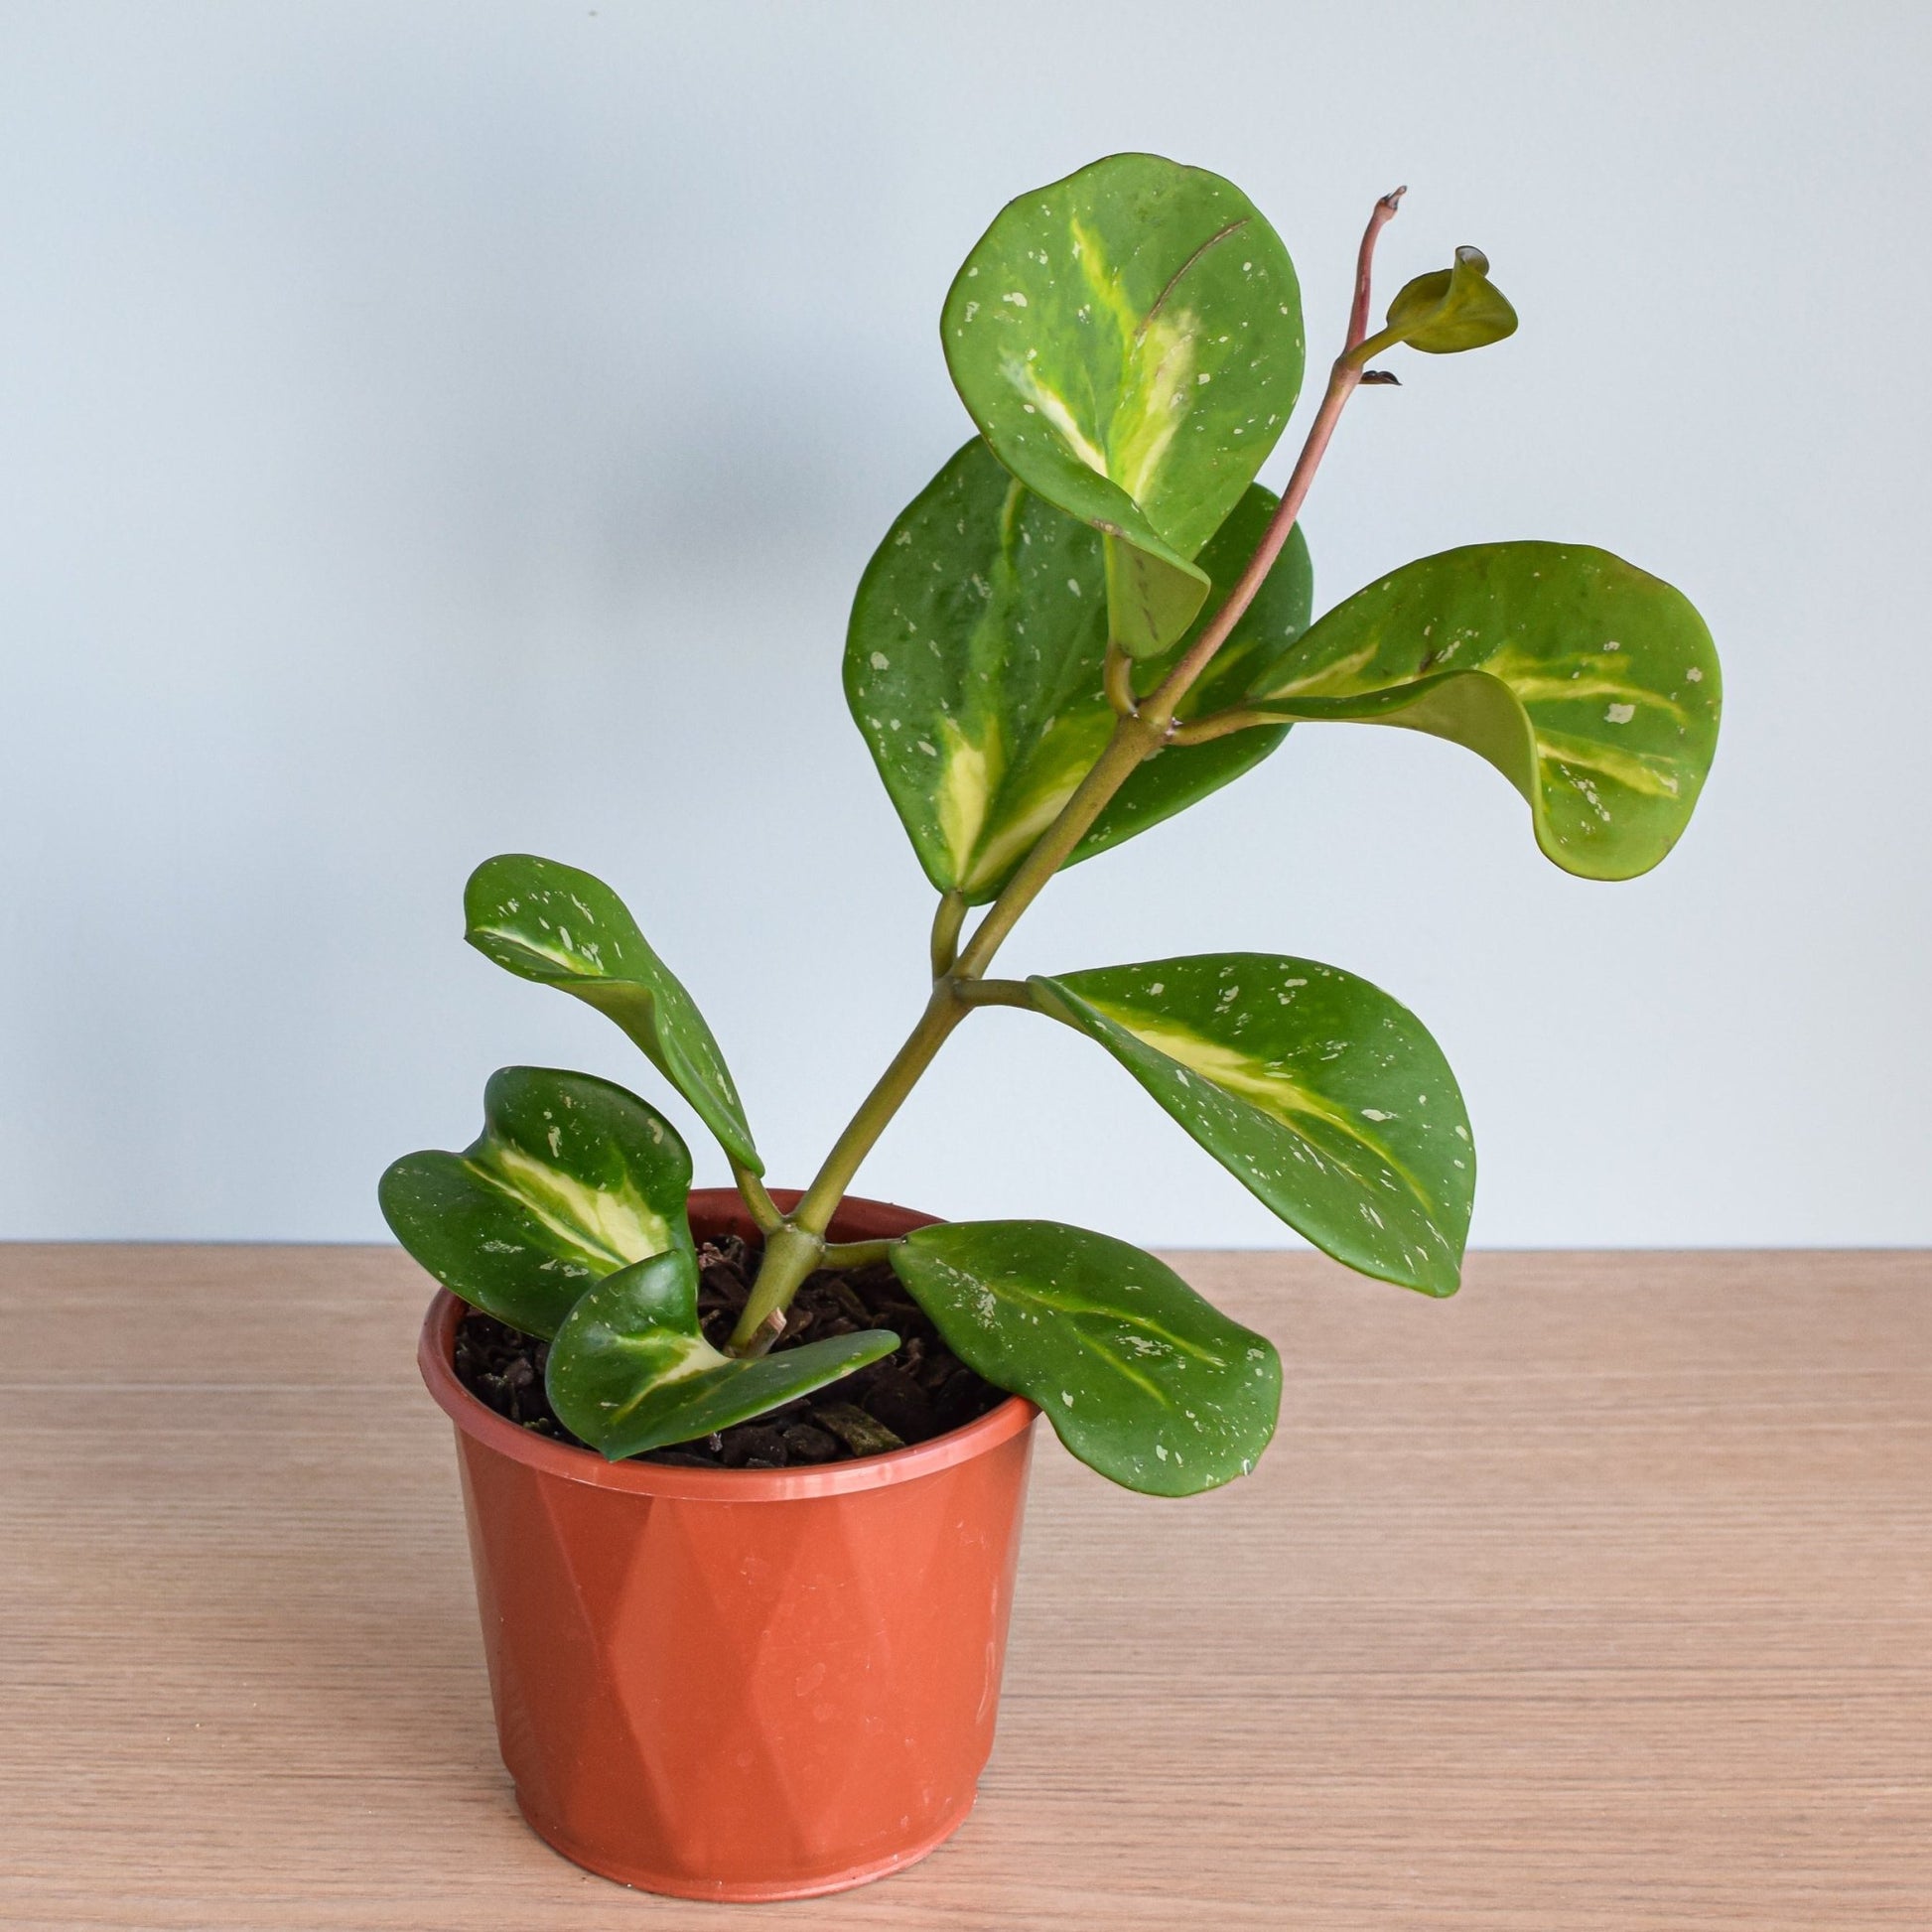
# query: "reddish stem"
1342,383
1385,211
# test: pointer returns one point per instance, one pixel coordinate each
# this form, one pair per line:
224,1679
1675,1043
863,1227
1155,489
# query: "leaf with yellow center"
631,1370
1590,685
1129,340
973,668
562,928
1325,1098
571,1180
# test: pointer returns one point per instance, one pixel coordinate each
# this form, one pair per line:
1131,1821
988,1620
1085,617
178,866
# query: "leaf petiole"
758,1203
992,993
1220,723
946,921
856,1254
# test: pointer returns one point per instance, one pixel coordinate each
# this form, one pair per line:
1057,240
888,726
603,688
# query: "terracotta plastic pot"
742,1684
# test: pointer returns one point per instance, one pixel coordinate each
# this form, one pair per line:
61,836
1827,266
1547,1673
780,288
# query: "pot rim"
858,1219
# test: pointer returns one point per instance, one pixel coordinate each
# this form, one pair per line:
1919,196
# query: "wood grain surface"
1599,1597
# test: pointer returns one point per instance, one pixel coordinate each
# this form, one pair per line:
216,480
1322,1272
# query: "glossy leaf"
630,1369
571,1179
974,667
1452,309
1129,340
1142,1379
562,928
1316,1091
1591,686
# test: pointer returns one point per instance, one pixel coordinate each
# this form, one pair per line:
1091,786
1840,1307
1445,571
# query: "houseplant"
1091,617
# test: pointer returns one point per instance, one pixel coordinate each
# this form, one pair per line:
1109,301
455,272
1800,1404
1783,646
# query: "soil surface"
919,1391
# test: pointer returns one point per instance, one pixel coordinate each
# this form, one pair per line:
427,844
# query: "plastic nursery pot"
742,1684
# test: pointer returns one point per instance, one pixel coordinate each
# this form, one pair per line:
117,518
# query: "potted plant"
743,1470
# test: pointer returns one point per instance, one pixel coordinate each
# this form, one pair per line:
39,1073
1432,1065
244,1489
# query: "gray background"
430,430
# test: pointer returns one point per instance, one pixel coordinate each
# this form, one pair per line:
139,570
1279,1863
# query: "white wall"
428,430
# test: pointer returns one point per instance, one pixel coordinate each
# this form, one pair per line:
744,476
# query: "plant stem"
780,1277
1134,738
1220,723
790,1255
992,993
1379,219
855,1253
1344,380
947,922
1146,732
762,1209
943,1012
796,1248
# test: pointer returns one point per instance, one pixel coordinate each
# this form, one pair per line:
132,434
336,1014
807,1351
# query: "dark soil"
919,1391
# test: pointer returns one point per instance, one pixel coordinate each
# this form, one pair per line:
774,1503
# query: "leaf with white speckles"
630,1369
1323,1096
1141,1378
974,663
571,1180
1129,340
562,928
1590,685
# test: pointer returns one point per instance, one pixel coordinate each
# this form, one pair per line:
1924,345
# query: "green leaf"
571,1179
1591,686
1141,1378
631,1370
1129,340
1317,1092
973,668
562,928
1452,309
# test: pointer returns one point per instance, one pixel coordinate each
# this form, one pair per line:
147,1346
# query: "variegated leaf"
1590,685
1141,1378
571,1180
562,928
1129,340
630,1369
1316,1091
974,667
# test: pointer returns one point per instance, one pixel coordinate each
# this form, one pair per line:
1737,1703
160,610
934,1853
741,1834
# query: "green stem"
1136,737
790,1255
1220,723
947,922
943,1012
856,1254
762,1209
992,993
1134,740
780,1275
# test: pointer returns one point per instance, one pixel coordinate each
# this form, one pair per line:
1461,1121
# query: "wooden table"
1599,1597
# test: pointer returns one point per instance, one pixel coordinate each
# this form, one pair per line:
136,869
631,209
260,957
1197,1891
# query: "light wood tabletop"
1598,1596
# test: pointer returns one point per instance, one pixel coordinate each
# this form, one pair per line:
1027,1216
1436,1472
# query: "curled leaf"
571,1179
1452,309
1590,685
630,1369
